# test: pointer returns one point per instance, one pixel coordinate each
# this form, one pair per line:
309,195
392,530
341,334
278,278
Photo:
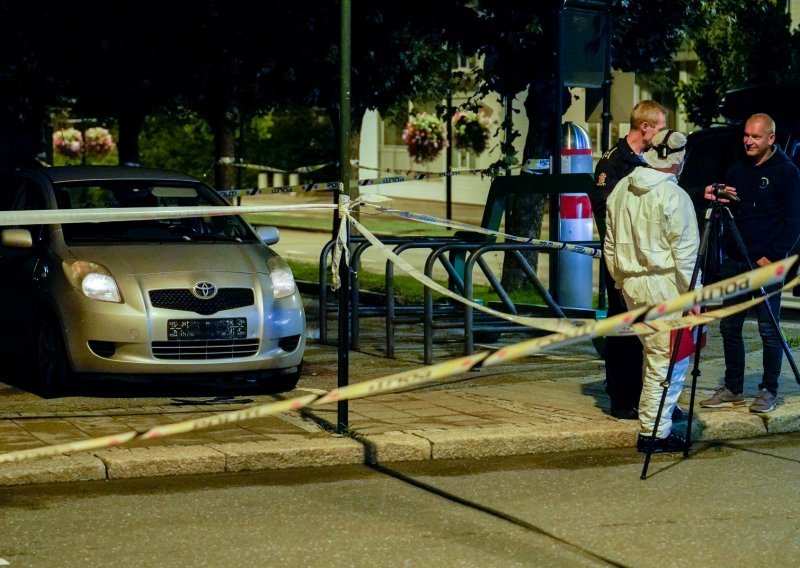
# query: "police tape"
336,185
410,177
230,161
406,175
69,447
407,379
548,324
725,289
303,187
731,287
370,201
411,172
228,417
754,280
104,214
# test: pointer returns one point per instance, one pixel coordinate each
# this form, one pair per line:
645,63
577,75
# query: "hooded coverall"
650,249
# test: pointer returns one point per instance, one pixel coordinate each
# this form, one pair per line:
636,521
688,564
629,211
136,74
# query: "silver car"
188,297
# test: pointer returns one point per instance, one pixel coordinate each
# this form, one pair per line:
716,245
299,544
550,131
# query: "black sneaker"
623,411
670,444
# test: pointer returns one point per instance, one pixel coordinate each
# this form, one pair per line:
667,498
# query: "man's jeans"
733,344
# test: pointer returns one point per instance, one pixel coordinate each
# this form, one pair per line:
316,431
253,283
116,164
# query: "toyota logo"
204,290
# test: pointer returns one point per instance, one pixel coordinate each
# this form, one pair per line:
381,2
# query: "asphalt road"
733,504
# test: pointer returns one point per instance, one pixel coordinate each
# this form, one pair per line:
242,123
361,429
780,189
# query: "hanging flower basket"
68,142
470,131
425,137
99,142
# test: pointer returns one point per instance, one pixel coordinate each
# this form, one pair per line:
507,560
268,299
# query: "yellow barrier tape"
230,161
100,214
228,417
579,249
547,324
662,325
415,377
728,288
590,329
69,447
412,172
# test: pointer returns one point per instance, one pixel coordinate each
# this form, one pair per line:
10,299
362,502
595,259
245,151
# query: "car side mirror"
270,235
20,238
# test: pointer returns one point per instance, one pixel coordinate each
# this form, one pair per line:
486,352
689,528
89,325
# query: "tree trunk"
524,212
225,125
130,126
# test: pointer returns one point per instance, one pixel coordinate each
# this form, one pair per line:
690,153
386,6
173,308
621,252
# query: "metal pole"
342,421
556,157
605,141
449,157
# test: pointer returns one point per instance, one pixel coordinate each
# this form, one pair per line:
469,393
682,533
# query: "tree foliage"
739,43
646,33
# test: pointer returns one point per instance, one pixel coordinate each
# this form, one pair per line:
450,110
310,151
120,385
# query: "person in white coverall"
650,249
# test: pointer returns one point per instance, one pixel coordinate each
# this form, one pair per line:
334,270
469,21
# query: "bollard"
575,221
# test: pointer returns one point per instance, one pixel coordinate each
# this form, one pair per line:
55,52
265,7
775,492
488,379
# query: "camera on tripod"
719,192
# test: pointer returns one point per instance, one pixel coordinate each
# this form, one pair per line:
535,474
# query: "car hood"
123,260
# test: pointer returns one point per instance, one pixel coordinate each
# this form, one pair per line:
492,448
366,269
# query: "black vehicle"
709,152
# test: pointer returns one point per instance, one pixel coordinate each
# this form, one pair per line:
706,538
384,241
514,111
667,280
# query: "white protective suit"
651,248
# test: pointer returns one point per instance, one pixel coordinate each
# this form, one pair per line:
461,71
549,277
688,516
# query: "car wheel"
52,363
282,383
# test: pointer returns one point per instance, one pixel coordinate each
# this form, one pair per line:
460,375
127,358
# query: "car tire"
282,383
52,364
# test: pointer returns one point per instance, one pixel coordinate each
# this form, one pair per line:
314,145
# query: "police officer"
623,355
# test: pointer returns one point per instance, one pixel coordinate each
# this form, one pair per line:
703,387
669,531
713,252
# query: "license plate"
221,328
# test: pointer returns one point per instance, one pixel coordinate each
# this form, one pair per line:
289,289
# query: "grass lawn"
377,224
407,290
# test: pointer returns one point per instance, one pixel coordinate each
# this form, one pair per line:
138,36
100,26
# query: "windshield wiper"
206,238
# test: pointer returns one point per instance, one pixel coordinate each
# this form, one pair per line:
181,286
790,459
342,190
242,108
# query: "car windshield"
139,193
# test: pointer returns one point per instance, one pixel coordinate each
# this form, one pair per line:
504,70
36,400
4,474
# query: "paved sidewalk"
547,403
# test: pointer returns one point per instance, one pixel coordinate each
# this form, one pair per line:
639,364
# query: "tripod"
718,215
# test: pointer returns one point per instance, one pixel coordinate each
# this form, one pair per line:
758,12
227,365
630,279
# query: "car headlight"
282,278
93,280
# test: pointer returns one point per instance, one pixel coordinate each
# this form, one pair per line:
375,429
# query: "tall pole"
605,140
342,421
555,154
448,183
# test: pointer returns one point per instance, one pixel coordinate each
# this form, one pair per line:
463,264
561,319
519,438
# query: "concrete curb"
78,467
414,445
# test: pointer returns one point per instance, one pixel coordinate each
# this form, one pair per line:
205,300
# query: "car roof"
777,100
60,174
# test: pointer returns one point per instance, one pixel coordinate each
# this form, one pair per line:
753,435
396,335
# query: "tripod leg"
784,344
695,373
665,387
774,321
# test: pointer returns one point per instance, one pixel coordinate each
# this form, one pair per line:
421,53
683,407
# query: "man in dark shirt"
767,214
623,355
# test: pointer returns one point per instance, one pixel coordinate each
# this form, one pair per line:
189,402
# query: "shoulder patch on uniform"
609,152
601,179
